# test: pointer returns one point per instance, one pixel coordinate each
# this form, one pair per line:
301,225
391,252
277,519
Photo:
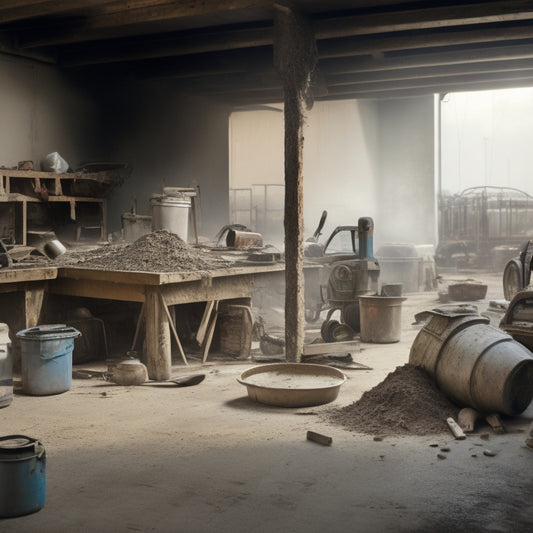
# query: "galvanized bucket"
22,475
172,214
380,318
474,363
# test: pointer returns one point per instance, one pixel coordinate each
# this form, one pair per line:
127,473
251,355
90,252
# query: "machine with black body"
350,271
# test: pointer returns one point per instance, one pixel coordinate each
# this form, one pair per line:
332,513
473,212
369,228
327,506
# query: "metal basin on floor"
292,384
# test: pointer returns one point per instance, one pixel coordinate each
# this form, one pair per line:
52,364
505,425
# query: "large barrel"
380,318
474,363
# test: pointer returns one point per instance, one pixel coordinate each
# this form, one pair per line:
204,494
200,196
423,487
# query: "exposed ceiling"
224,49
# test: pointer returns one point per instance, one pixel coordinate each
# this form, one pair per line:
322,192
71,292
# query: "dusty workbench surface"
163,278
16,275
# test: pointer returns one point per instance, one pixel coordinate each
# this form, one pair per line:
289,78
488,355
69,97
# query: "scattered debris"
441,456
338,361
271,345
407,402
495,422
330,348
87,374
489,453
445,449
467,290
378,439
319,439
188,381
455,429
467,418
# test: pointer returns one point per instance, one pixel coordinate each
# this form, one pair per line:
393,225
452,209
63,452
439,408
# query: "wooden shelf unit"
44,188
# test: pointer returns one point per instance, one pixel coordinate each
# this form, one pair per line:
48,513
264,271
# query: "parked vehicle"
517,272
483,227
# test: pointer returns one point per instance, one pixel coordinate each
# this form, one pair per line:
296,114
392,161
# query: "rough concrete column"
295,58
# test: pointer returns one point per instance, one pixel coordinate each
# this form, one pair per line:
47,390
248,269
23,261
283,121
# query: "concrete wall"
171,140
361,158
340,166
41,112
406,171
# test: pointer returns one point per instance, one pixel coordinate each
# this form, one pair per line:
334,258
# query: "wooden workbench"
157,291
22,292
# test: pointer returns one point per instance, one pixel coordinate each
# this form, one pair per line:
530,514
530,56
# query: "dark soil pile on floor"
160,251
406,402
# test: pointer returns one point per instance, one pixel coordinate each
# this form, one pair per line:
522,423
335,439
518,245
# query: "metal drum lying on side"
474,363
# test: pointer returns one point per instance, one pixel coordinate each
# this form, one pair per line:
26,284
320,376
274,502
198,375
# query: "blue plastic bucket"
46,356
22,475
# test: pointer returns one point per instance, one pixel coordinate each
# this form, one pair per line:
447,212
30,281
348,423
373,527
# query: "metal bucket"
6,367
391,289
135,226
47,358
474,363
380,318
22,475
54,248
171,213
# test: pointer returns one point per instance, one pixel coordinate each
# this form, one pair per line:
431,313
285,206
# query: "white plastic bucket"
171,213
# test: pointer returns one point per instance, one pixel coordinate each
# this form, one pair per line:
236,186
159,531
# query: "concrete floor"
207,459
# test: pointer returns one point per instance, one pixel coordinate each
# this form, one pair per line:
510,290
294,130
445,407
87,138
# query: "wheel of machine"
512,278
350,316
327,330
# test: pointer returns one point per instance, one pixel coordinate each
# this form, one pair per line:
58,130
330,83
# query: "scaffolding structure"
483,225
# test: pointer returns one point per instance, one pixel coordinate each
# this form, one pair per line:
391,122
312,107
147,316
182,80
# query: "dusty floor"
205,458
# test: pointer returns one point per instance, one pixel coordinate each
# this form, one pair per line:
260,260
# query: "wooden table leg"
158,352
33,303
174,332
210,331
138,328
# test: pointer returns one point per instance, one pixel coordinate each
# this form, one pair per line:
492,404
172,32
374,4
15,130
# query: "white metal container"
171,213
54,248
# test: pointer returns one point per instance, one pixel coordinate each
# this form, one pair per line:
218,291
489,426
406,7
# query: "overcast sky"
487,139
